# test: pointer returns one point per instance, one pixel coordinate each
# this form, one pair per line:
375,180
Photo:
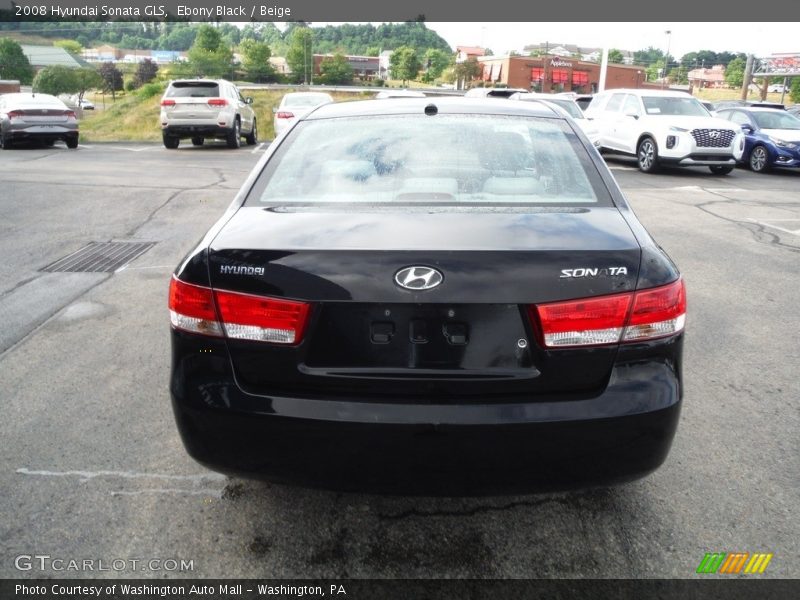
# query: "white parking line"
257,148
792,231
87,475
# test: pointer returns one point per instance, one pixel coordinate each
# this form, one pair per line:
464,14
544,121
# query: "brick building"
558,74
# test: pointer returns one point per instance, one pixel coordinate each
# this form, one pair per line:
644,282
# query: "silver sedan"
25,117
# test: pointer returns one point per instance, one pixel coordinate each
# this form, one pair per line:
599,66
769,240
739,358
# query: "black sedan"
429,296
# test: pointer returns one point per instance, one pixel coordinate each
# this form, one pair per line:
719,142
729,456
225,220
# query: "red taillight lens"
15,114
284,115
70,114
657,312
191,308
632,317
248,317
583,322
218,102
241,316
168,102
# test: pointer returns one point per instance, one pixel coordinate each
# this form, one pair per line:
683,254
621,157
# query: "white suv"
663,127
203,108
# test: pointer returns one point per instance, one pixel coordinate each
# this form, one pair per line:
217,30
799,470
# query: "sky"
761,39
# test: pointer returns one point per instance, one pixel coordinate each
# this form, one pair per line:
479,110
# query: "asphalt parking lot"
92,467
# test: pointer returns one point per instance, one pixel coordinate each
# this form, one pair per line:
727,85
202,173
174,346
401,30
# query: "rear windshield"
416,159
193,89
304,101
659,105
569,106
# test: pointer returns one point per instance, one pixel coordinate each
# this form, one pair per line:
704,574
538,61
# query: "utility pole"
601,85
666,60
748,69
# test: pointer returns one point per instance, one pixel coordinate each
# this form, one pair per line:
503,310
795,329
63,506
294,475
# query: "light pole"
666,60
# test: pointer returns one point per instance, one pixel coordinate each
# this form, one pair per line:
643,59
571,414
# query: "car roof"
755,109
199,80
35,97
447,105
646,92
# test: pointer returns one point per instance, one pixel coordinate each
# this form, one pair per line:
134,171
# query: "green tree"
255,60
112,78
146,71
435,62
56,80
70,46
679,75
88,78
404,64
734,73
210,55
467,71
13,62
336,69
794,90
300,56
615,56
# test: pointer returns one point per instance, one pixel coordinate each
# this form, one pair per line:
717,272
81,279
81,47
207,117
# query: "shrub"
148,90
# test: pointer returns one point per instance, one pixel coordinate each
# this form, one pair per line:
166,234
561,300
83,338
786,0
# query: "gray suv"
206,108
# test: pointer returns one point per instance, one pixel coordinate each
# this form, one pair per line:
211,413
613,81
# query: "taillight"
583,322
70,114
191,308
631,317
16,114
284,115
248,317
218,102
168,102
657,312
241,316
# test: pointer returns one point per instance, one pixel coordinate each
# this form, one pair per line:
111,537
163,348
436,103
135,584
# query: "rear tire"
759,159
720,169
170,141
647,155
234,138
72,142
252,137
197,141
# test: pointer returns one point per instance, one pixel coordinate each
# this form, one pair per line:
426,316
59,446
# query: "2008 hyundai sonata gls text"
429,296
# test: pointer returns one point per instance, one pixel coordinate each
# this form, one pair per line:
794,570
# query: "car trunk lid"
466,339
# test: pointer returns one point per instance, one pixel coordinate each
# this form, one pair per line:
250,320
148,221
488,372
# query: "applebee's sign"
557,62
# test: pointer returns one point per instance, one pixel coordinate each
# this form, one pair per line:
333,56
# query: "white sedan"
296,105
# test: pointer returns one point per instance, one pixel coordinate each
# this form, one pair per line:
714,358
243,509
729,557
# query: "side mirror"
248,100
632,113
274,109
747,128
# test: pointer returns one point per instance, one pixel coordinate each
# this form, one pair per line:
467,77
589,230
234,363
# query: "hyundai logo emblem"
418,278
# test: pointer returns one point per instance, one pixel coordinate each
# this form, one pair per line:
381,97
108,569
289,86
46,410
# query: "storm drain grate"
100,257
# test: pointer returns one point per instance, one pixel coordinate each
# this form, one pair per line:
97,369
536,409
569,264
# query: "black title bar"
380,11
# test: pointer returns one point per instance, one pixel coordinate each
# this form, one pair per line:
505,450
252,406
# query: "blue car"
772,137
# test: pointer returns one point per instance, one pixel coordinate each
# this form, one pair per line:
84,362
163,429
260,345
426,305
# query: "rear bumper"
57,133
620,435
196,130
